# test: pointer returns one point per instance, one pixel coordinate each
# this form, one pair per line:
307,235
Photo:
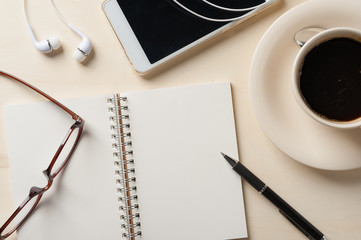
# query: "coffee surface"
330,79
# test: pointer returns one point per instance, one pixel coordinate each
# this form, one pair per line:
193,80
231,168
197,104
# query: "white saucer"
274,105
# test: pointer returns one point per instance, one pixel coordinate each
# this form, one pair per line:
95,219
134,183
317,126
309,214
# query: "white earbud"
44,46
85,46
47,45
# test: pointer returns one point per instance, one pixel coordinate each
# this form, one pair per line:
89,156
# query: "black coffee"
330,79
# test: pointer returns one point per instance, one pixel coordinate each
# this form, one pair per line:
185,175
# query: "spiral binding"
125,172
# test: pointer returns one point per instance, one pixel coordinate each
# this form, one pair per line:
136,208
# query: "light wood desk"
330,200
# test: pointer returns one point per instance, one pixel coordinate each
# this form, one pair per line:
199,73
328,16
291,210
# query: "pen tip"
229,160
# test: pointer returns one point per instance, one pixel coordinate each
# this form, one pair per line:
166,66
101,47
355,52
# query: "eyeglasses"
59,161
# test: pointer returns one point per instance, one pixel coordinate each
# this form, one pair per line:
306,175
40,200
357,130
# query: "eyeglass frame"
37,191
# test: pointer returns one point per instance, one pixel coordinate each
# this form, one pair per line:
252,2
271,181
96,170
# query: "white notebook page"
186,189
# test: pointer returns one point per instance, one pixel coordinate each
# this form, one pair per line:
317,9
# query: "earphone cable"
213,19
232,9
26,17
58,13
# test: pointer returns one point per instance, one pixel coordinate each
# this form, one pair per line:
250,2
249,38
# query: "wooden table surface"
331,200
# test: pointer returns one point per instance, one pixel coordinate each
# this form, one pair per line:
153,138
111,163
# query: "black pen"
284,208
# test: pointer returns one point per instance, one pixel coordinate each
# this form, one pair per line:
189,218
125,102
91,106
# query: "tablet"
153,32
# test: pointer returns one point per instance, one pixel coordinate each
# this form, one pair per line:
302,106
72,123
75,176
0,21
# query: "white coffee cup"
339,32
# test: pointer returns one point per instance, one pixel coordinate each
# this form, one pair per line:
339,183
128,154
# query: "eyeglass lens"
22,215
70,142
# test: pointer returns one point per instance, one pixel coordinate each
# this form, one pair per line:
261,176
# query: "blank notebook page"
186,190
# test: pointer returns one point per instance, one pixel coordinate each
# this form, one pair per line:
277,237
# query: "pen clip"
301,229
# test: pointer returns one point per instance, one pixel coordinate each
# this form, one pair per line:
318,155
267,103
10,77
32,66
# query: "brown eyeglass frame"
36,191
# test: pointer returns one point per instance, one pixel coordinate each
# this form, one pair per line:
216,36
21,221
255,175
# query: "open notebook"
183,190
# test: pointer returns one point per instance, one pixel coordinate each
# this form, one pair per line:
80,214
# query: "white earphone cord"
216,6
58,13
26,17
233,9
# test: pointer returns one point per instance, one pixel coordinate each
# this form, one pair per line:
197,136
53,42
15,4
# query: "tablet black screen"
162,27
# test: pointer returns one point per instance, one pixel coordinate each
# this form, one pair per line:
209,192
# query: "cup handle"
303,35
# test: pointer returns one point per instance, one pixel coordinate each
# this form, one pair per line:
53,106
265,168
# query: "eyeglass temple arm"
73,115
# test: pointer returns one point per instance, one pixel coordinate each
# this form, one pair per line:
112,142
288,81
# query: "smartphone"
153,32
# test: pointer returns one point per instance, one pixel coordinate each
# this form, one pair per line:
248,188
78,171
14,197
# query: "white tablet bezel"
134,50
